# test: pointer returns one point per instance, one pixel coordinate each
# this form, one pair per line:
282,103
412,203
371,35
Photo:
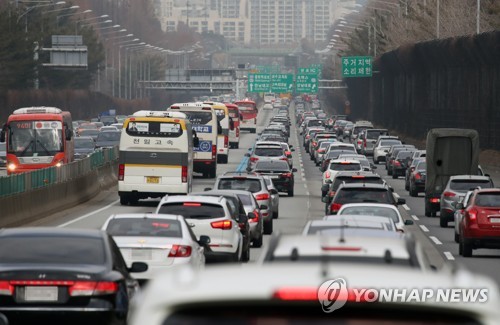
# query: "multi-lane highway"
295,212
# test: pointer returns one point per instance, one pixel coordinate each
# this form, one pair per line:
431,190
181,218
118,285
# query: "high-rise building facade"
255,22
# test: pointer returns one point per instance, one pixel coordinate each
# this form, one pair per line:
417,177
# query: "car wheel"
258,242
443,221
276,214
407,186
394,175
389,171
457,238
236,145
427,210
245,256
290,192
466,247
268,227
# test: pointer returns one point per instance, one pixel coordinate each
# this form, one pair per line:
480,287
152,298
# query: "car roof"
50,231
192,198
145,216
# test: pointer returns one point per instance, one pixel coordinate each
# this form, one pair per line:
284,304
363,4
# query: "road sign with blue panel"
204,146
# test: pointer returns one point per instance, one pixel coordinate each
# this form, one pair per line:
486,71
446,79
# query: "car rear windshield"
404,154
469,184
375,134
80,143
345,166
268,152
488,199
193,210
372,211
272,165
144,227
52,250
315,123
358,179
108,136
360,195
388,143
422,166
244,184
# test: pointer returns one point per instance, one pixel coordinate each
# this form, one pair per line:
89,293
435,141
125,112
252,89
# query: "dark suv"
363,193
280,173
347,178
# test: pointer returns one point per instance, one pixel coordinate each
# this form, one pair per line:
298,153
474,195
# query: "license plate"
40,293
152,180
144,254
495,220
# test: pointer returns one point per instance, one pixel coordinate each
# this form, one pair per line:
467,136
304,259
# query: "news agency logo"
334,294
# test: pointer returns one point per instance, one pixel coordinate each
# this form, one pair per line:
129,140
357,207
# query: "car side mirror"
325,188
247,154
138,267
204,240
409,222
321,169
243,218
196,142
401,201
325,199
459,206
373,166
488,175
291,149
294,170
328,181
263,207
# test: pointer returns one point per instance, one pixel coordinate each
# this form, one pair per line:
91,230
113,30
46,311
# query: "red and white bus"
234,125
248,111
37,137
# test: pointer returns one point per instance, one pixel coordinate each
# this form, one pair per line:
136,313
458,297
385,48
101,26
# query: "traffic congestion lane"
483,261
293,211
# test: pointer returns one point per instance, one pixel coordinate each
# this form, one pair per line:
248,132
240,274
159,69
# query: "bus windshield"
198,117
35,138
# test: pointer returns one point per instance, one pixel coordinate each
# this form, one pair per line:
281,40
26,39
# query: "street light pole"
478,16
437,20
120,65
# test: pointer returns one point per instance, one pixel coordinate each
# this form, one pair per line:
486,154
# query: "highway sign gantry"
306,83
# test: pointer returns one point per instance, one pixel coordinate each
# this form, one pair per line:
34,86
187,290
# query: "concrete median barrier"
23,208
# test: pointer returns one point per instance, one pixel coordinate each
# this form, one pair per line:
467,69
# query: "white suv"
208,216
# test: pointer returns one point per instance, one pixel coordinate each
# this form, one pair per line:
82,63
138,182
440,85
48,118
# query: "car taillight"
224,224
335,207
263,196
327,174
396,163
332,194
307,137
364,143
314,144
91,288
121,172
214,151
6,289
418,176
180,251
254,158
412,169
312,294
226,141
435,200
256,216
449,194
321,150
284,158
472,215
288,153
184,174
286,175
360,142
237,132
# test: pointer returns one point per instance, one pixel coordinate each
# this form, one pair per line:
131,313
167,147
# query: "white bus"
156,156
223,139
204,122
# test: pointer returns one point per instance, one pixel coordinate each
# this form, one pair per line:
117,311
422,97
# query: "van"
204,122
449,152
156,156
223,139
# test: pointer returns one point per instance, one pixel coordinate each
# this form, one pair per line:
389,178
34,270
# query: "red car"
480,225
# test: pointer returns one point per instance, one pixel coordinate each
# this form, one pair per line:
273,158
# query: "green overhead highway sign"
306,83
318,66
281,83
259,82
309,70
356,66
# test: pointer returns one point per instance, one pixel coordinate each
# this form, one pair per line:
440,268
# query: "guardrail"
20,183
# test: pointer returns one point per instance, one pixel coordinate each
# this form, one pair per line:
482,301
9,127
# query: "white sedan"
340,165
160,240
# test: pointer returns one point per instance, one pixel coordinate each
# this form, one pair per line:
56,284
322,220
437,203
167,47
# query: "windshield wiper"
43,147
26,149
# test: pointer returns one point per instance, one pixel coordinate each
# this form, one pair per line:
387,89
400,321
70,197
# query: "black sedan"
280,173
55,275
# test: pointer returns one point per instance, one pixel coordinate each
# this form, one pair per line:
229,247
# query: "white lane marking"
308,204
305,185
88,215
307,193
449,256
406,207
396,195
424,228
415,217
435,240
